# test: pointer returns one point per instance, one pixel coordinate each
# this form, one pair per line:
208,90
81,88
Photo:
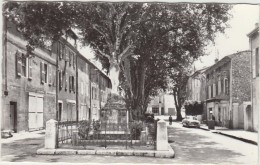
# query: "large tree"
113,29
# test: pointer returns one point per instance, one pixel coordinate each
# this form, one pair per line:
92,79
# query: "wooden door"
35,112
13,116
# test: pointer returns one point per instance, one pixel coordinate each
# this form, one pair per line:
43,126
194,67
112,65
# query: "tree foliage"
143,42
193,107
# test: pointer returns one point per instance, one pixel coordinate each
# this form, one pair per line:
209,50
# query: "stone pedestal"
51,134
143,137
75,138
162,136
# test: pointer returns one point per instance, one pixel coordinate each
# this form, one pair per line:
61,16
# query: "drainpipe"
251,86
90,94
230,94
57,83
77,99
5,56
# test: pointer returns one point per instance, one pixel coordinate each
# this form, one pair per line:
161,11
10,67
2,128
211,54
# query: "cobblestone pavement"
191,145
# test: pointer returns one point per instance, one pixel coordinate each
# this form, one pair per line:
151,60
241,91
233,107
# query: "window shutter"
61,77
42,72
70,58
74,84
30,68
70,83
216,93
66,81
74,60
60,50
18,64
50,75
253,63
63,52
54,77
219,86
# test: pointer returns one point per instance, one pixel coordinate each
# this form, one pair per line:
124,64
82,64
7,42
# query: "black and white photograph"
130,82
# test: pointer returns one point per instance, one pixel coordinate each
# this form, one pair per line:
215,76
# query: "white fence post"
162,136
51,134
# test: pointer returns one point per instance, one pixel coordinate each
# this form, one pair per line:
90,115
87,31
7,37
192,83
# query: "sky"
235,38
243,21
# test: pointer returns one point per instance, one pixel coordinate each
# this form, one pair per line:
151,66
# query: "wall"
255,86
169,103
19,87
241,77
83,89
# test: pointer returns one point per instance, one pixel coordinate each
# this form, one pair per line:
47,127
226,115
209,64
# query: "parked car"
190,121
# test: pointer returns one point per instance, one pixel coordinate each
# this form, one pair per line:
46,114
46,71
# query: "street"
191,145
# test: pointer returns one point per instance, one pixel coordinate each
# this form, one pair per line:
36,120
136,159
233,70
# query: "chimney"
216,60
256,25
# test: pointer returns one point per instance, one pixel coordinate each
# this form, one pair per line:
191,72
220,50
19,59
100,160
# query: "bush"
193,107
135,129
84,129
149,117
96,126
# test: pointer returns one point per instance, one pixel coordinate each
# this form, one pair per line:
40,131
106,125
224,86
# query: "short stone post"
51,134
162,136
143,137
75,138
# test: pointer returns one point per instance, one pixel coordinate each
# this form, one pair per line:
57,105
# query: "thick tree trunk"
114,77
177,105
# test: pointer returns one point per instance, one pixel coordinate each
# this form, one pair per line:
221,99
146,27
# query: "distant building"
228,89
163,104
255,69
196,89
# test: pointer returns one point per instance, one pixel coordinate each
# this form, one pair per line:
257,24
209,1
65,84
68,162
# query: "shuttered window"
30,68
43,70
60,79
226,86
219,86
74,60
20,64
214,90
66,81
50,75
70,83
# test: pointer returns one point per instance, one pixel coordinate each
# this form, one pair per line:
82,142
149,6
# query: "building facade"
228,88
163,104
55,82
196,90
255,69
29,84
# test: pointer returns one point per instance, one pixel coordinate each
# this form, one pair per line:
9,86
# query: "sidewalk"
23,135
246,136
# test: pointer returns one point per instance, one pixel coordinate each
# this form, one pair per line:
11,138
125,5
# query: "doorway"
60,111
13,116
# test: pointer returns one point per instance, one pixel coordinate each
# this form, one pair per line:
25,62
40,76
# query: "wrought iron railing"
104,134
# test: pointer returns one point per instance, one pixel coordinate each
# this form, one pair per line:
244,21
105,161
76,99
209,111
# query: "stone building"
94,88
56,82
29,84
196,89
228,89
253,111
163,104
66,55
